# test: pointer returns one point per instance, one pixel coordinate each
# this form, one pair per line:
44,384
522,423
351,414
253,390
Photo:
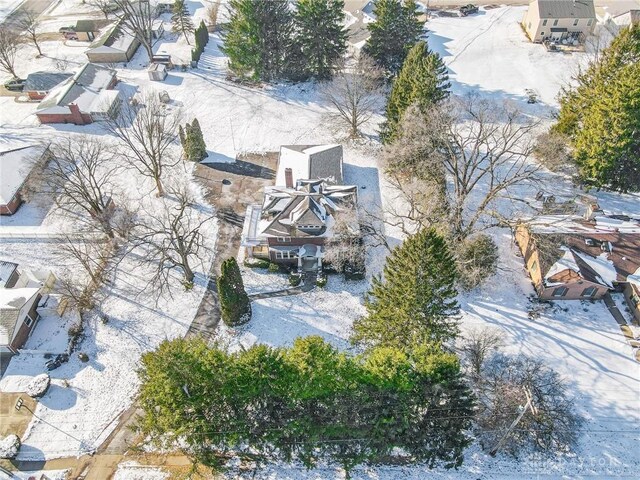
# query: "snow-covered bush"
38,385
9,446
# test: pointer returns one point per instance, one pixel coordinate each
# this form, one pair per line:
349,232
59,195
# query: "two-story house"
558,20
296,216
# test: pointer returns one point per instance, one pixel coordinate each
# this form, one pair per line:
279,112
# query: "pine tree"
194,147
395,30
601,116
423,80
258,37
416,302
182,23
320,35
234,301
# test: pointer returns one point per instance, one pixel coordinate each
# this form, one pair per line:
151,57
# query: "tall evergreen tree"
182,23
416,303
601,116
320,36
194,147
395,30
258,37
234,301
423,80
308,402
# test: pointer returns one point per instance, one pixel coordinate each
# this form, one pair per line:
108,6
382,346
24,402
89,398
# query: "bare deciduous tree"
93,258
345,248
80,173
136,18
105,6
476,258
483,148
212,13
9,42
478,345
552,150
146,131
29,23
500,393
172,238
356,93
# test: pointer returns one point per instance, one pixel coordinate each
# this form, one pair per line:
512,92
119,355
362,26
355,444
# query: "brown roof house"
559,20
570,257
296,217
20,293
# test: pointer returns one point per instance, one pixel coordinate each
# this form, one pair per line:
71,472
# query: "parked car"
15,84
468,9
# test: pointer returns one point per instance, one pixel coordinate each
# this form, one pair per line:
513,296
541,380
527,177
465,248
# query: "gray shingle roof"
566,9
44,81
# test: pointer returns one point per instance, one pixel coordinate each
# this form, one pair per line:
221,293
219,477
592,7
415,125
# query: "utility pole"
527,406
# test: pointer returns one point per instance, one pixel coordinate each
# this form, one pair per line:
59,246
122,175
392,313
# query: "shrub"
321,281
294,280
256,263
9,446
274,267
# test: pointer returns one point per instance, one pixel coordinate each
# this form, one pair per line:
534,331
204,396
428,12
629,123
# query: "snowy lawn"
135,471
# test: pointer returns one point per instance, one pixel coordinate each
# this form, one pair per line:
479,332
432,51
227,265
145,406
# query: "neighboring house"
115,46
8,274
18,316
558,20
39,84
569,257
358,13
17,164
85,97
297,215
20,294
84,30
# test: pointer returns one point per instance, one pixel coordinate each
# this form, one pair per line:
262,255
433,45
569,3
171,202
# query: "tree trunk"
188,274
159,187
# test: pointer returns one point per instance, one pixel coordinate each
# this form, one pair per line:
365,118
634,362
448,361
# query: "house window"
544,23
590,22
28,321
283,239
575,22
285,255
555,22
560,291
534,266
589,292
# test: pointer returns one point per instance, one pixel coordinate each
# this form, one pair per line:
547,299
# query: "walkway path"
308,284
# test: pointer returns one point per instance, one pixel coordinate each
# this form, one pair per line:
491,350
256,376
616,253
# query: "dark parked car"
15,85
468,9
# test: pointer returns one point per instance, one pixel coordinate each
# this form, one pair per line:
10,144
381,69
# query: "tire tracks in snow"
482,32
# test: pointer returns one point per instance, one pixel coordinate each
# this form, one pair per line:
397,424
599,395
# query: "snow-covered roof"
44,81
11,301
566,8
310,162
83,89
16,165
6,270
566,262
115,39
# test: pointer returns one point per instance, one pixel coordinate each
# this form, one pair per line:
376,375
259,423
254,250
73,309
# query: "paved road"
36,6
